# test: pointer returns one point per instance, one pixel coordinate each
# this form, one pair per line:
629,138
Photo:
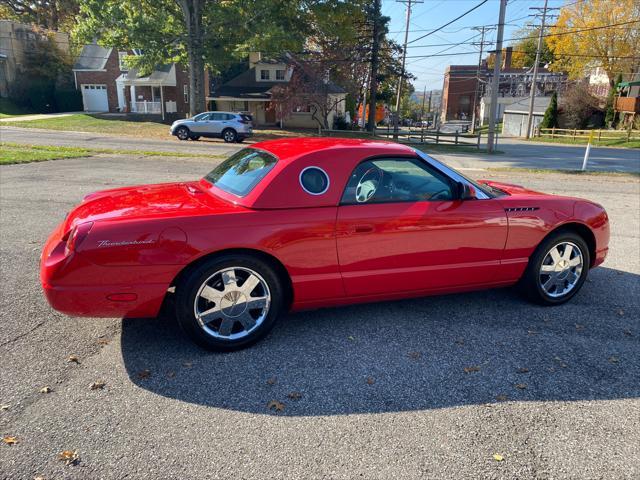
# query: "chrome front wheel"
561,269
232,303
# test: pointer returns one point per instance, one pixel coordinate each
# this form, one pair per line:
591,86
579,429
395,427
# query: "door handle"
363,229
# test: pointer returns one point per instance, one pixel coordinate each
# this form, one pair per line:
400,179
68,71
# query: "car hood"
511,188
162,200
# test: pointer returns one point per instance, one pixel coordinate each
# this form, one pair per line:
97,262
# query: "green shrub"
68,100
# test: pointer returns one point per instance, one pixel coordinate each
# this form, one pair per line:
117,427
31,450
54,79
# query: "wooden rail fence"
598,135
414,136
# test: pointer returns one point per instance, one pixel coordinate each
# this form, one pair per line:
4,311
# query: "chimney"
506,61
254,58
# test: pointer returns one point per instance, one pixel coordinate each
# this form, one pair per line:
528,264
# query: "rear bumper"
77,287
79,301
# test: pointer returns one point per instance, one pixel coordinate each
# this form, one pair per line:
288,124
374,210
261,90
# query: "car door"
200,123
402,227
216,124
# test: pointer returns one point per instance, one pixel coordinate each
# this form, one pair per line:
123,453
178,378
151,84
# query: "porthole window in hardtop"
314,180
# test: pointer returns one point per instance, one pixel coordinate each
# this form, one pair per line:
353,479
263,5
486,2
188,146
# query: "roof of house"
540,104
245,85
92,57
161,75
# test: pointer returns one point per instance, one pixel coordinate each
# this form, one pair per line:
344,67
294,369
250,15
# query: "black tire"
229,135
195,137
240,139
183,133
191,284
531,284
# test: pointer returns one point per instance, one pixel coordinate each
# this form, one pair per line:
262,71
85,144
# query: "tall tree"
524,49
550,118
210,34
51,14
378,26
614,48
610,115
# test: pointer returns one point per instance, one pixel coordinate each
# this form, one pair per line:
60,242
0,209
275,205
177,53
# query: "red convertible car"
306,223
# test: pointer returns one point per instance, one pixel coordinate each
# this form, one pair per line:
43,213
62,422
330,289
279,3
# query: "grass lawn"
18,153
10,109
93,123
12,153
583,141
560,170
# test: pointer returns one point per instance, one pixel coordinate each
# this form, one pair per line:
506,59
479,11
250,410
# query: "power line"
450,22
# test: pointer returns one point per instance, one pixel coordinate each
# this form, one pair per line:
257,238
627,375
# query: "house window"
279,74
121,61
155,94
185,91
264,75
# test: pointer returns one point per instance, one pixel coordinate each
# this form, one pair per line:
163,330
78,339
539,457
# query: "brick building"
108,85
461,82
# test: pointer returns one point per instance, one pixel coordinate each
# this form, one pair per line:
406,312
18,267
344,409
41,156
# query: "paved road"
201,415
516,154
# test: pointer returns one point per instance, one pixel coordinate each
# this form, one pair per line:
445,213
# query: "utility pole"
495,81
532,93
404,58
424,97
375,62
482,31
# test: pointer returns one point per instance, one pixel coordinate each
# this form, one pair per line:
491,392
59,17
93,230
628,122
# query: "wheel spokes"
250,284
226,326
247,321
211,294
229,280
555,255
547,268
568,250
210,315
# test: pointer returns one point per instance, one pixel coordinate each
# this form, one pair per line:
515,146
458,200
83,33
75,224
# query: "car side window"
217,116
389,180
201,117
228,116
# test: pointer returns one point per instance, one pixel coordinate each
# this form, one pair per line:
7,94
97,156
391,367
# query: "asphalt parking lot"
427,388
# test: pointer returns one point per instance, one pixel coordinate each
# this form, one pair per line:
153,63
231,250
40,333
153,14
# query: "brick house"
250,92
108,85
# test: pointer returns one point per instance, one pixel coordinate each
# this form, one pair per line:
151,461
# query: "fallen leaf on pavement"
502,398
271,381
471,369
294,395
275,405
459,342
497,457
414,355
628,333
73,359
69,457
579,327
370,381
144,374
46,390
523,370
620,312
521,386
99,385
103,341
187,364
350,337
4,407
9,440
532,332
613,359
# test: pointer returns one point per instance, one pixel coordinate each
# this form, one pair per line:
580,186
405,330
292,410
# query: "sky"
434,13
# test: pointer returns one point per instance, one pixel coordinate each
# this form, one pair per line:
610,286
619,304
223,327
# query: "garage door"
94,98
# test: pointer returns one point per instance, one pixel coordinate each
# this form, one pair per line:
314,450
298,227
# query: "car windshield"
241,172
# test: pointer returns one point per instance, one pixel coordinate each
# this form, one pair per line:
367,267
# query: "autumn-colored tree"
51,14
578,106
524,49
614,48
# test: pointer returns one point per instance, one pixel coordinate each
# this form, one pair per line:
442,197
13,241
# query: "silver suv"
231,127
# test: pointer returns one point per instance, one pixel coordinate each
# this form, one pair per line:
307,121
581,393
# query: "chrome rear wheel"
232,303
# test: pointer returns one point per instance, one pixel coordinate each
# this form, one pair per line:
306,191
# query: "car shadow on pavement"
433,352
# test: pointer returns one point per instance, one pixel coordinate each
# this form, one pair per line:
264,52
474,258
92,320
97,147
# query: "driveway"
427,388
517,153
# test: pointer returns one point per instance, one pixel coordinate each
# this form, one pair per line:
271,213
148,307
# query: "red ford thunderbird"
306,223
